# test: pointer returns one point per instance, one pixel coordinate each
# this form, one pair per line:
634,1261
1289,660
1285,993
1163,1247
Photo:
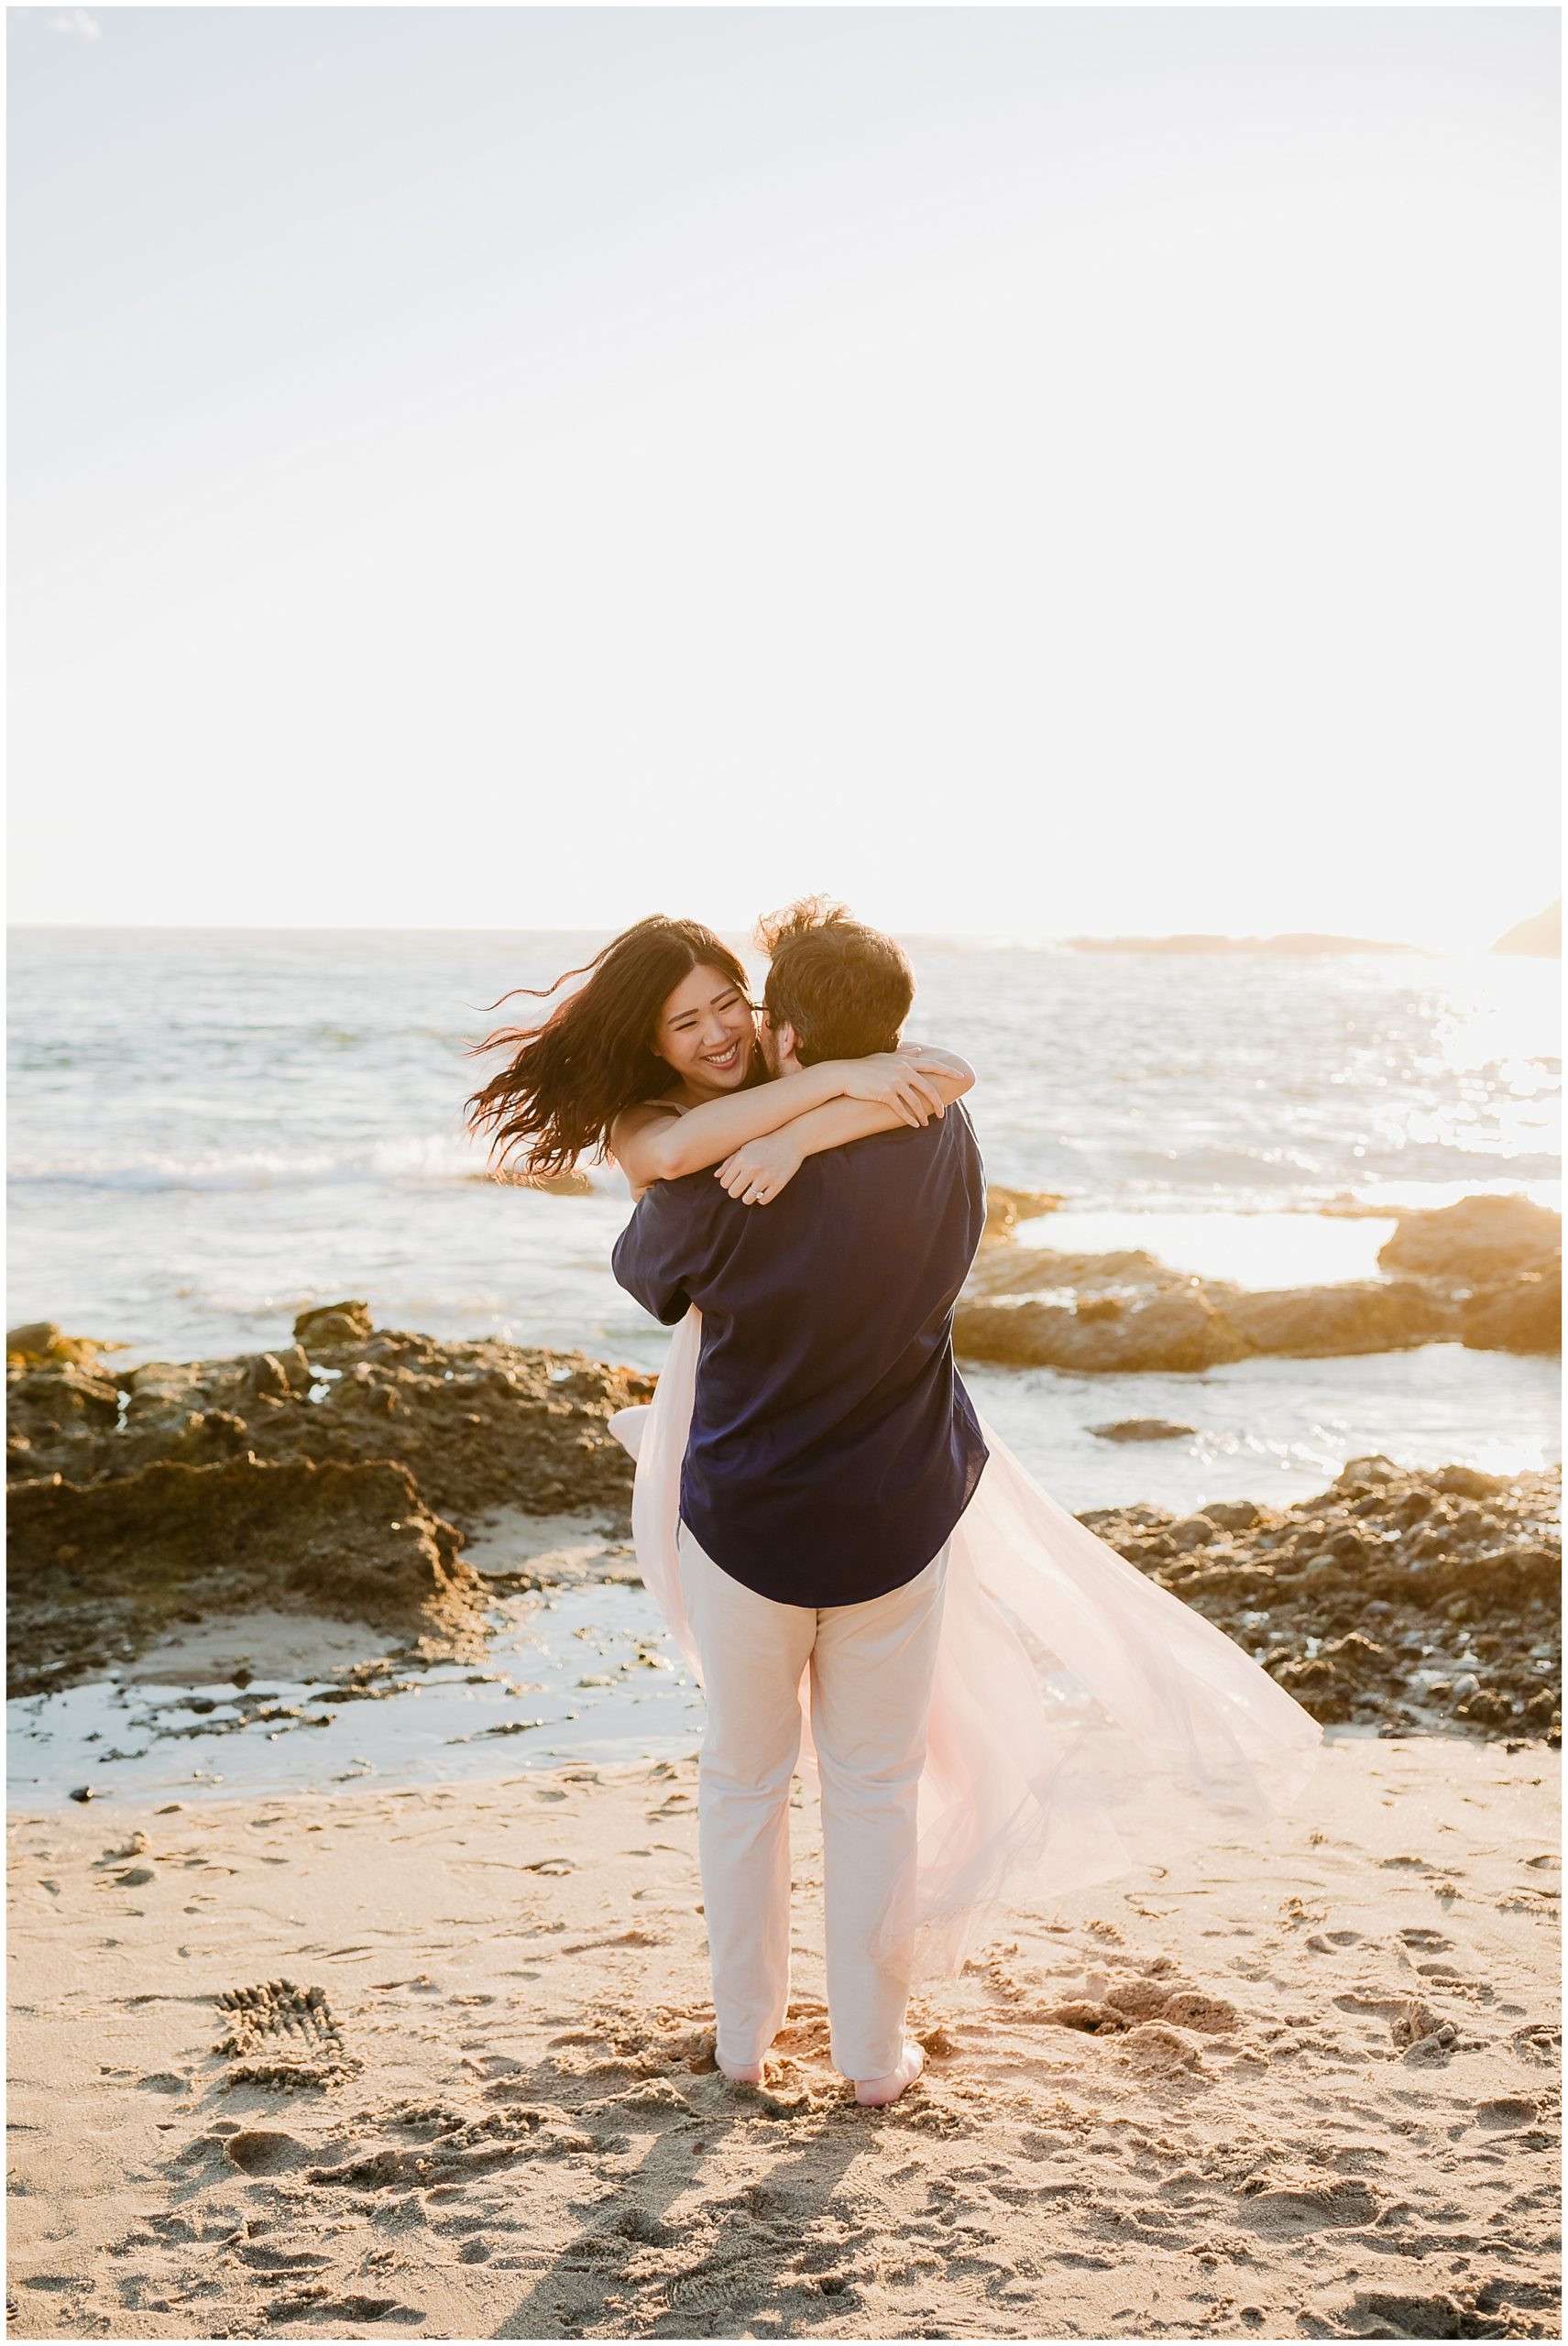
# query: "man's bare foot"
876,2092
745,2073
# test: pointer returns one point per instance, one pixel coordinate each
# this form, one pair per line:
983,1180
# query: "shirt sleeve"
663,1248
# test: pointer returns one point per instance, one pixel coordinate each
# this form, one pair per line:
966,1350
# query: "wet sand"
437,2062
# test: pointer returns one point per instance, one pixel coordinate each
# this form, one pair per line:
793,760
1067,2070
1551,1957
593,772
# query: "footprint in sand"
1507,2109
1151,2045
260,2151
315,2305
1538,2040
493,2064
1286,2209
1409,2316
282,2034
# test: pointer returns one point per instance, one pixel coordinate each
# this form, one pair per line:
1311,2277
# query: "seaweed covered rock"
96,1569
340,1476
42,1340
333,1325
1396,1597
479,1425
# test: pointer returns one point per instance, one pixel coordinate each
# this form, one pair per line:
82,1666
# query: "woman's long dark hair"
570,1077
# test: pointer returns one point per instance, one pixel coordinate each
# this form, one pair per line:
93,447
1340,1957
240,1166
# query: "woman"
654,1063
1083,1719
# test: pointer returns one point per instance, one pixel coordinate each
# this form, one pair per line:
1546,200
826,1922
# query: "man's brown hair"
845,989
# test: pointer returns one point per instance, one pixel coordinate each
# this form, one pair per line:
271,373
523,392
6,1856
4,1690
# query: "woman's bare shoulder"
640,1117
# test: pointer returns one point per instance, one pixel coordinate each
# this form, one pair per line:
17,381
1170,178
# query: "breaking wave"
432,1158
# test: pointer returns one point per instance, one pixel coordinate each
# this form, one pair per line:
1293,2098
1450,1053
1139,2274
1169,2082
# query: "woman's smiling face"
706,1033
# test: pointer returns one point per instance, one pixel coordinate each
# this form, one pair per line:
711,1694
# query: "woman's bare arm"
654,1141
631,1137
756,1172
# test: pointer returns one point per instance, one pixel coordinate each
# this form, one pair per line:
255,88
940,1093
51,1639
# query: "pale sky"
1029,472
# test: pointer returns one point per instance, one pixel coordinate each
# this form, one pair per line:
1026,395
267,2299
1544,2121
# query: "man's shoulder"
951,1136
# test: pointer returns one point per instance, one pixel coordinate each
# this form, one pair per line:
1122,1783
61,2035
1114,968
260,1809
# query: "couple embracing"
872,1590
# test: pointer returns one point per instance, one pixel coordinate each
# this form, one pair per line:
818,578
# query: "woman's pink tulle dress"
1083,1720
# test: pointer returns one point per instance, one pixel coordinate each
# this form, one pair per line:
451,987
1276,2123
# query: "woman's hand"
930,1060
893,1080
756,1173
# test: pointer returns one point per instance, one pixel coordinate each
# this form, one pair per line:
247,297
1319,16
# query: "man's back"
832,1447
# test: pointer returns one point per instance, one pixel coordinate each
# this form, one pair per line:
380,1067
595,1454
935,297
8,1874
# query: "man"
832,1450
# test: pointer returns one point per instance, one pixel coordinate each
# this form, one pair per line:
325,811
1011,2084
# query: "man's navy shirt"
833,1447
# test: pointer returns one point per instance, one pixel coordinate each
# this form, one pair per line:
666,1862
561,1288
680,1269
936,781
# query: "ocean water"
210,1130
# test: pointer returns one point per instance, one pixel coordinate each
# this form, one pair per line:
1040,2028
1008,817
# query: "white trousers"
872,1667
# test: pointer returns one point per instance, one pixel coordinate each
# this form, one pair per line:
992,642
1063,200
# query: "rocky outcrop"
478,1425
1395,1599
96,1567
1357,1316
338,1472
1179,1330
1142,1429
1038,1270
1193,1323
334,1324
1485,1272
1477,1240
1005,1209
1522,1315
40,1341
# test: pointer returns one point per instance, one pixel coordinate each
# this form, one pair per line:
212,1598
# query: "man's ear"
785,1041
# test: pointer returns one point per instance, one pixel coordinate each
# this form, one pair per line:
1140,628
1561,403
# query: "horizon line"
1020,939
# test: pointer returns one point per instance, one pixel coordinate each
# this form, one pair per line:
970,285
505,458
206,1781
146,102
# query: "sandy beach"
368,1991
330,2017
437,2062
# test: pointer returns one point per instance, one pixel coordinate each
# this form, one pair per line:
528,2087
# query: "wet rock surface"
1142,1429
343,1477
1485,1273
338,1474
1518,1315
1180,1327
1396,1600
1475,1240
1005,1208
96,1569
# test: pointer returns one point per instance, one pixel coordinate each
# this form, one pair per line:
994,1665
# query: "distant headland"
1543,933
1300,941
